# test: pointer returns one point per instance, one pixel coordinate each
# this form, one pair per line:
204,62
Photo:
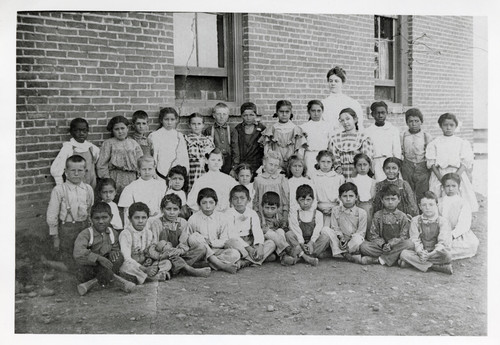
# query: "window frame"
232,70
400,60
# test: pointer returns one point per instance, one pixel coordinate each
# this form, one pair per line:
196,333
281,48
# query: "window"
207,57
390,59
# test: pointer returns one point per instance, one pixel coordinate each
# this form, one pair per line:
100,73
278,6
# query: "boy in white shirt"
246,233
145,189
385,138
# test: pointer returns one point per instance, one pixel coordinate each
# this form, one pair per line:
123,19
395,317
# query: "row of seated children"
307,235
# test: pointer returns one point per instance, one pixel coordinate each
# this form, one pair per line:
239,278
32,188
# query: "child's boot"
310,260
448,269
83,288
287,260
123,284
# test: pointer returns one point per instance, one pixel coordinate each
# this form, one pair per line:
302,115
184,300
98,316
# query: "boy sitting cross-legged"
171,230
431,235
349,224
389,231
307,236
97,252
136,240
246,233
210,228
274,227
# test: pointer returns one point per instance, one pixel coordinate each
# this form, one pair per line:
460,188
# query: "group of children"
221,198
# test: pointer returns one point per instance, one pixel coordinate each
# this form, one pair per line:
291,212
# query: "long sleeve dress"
447,154
386,143
168,149
118,160
283,138
197,147
317,134
345,146
457,211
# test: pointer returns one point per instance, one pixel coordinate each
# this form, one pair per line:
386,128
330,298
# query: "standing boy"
141,130
385,139
389,231
97,252
69,207
246,233
245,141
431,235
145,189
221,134
413,144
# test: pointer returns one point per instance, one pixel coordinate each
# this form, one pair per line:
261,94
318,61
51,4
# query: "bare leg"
229,268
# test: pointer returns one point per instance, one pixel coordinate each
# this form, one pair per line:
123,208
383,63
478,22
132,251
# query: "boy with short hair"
97,252
136,240
145,189
69,208
388,233
222,134
307,236
274,227
171,231
210,228
245,141
385,138
432,237
348,223
413,144
141,130
246,233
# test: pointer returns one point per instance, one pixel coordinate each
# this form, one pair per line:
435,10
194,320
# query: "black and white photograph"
206,170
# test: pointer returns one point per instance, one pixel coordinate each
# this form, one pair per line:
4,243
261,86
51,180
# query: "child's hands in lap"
393,241
259,253
310,248
386,248
304,248
105,262
423,255
113,256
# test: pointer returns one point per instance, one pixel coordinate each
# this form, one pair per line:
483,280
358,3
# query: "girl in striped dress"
348,143
198,145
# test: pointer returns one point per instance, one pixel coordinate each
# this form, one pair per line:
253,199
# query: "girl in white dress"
454,208
317,133
450,154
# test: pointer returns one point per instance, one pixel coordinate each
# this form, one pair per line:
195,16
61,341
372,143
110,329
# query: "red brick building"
97,65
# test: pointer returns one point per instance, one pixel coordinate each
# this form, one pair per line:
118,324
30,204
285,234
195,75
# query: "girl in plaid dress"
198,145
348,143
284,137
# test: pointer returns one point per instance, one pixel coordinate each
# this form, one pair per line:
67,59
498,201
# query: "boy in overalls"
389,231
431,235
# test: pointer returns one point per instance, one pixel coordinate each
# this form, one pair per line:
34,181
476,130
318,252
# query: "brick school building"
97,65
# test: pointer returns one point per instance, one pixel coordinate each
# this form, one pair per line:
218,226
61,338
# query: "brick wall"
441,77
287,56
91,65
98,65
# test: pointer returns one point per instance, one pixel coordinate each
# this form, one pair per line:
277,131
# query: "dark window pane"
200,88
220,39
385,93
386,28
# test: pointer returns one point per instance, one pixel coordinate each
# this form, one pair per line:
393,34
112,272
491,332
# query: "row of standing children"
120,144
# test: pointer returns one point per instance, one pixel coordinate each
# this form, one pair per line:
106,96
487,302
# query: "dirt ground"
334,298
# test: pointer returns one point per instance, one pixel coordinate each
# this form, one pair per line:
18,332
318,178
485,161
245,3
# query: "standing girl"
168,146
177,183
214,179
408,204
296,173
454,208
450,154
198,146
317,132
366,185
77,145
348,143
119,155
244,175
283,137
327,183
106,191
